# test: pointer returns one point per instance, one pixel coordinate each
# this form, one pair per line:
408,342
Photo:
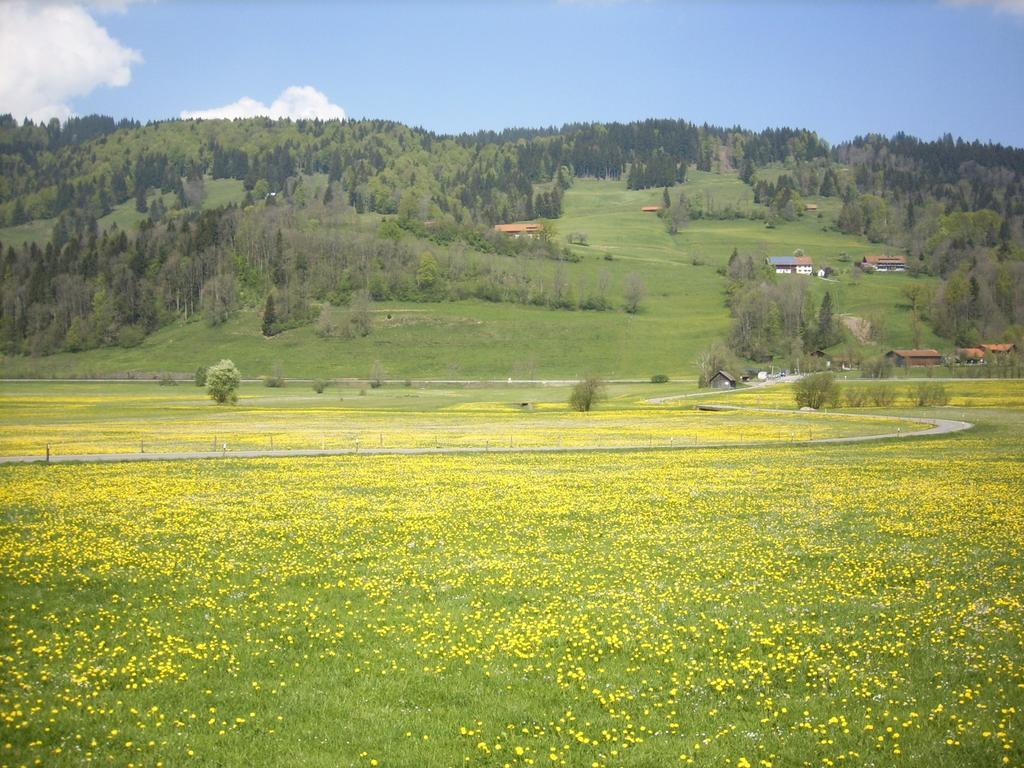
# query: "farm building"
722,380
884,264
528,228
998,349
914,358
788,265
651,208
970,355
811,207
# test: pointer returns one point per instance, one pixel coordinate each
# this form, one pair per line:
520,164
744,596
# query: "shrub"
586,393
877,367
130,336
166,380
855,397
659,378
929,393
819,390
222,381
883,395
276,379
319,385
201,376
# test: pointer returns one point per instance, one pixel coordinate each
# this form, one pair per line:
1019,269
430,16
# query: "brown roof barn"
999,349
913,358
651,208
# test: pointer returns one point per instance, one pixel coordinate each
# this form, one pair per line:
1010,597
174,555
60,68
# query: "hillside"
324,249
682,311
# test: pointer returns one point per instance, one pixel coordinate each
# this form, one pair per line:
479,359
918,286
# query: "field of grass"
126,417
784,606
682,312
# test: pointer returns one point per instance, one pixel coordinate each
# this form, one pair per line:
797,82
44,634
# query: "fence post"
271,442
142,446
47,453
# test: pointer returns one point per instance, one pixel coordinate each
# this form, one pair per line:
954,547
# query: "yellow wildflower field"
131,417
784,606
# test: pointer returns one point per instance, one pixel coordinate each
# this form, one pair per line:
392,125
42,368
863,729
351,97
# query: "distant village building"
789,265
970,355
811,207
528,228
914,358
884,264
651,208
998,349
722,380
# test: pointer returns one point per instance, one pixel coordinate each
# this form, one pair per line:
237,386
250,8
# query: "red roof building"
914,358
528,228
998,349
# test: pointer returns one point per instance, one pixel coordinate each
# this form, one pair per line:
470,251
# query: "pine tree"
269,316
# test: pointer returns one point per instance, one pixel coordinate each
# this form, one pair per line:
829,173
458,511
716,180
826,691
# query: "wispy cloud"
296,102
52,52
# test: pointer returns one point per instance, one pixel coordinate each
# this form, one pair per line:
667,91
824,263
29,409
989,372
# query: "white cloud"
51,53
1014,7
297,102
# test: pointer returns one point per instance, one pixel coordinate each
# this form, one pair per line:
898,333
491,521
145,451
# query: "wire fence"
226,443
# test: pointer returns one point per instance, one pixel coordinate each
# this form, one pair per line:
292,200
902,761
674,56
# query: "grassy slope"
682,312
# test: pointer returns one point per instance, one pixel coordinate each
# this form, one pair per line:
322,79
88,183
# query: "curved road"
941,427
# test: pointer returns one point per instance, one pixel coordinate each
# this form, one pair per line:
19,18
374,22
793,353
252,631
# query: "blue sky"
841,69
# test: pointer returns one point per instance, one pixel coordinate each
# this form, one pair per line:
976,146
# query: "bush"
877,367
166,380
319,385
222,381
586,393
201,376
855,397
276,379
819,390
659,378
130,336
929,393
883,395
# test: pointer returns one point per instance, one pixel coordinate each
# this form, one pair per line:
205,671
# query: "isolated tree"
818,390
586,393
377,374
222,381
269,316
633,292
826,335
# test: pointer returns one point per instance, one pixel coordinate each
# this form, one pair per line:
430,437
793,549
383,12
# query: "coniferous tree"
269,316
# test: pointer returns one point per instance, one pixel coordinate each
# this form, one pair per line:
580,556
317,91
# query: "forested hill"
299,235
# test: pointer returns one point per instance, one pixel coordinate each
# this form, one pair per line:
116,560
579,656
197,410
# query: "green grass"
682,312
